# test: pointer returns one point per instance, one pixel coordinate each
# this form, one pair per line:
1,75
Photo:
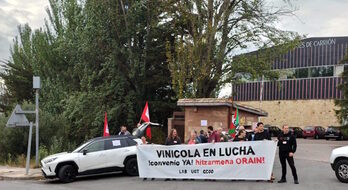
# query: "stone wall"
215,116
297,113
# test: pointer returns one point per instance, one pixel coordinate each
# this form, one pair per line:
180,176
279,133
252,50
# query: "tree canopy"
342,112
114,55
210,33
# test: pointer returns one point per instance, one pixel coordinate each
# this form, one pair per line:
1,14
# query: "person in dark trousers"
173,138
261,133
203,137
287,148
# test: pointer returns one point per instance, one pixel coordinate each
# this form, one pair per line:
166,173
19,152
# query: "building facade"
198,114
305,92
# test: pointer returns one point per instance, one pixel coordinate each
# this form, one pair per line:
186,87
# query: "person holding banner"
143,140
173,138
241,136
287,147
251,136
203,136
223,138
193,138
263,135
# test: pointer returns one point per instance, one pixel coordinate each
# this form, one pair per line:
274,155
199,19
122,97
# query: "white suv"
99,155
339,163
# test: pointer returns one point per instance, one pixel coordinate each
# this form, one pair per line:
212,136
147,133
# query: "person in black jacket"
287,148
241,136
261,133
203,137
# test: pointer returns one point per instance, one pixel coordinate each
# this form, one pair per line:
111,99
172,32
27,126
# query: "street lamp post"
36,86
18,119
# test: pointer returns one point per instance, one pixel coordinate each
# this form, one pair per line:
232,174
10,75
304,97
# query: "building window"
321,71
301,73
345,67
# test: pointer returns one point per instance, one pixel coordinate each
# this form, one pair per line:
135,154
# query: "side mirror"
84,152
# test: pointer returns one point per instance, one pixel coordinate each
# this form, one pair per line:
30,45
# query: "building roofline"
249,109
209,102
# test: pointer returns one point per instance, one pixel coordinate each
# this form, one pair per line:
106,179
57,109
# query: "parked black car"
333,133
273,131
296,131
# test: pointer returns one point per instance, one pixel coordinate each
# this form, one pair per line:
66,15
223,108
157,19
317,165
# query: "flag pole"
139,120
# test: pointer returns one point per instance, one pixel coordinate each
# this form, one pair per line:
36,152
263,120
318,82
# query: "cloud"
314,18
14,13
319,18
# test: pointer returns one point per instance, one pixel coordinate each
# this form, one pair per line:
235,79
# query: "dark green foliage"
92,57
112,56
342,112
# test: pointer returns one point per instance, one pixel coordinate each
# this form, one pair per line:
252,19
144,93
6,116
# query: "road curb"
10,178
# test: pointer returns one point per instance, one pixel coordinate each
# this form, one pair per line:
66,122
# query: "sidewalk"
11,173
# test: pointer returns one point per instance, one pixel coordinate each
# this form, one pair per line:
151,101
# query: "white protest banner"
229,160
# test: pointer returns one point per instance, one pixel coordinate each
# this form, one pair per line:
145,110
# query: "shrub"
344,130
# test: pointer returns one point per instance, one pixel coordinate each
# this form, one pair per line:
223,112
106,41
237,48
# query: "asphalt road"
311,161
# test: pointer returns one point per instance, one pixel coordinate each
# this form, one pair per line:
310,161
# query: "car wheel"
132,167
316,137
67,173
327,139
304,137
340,138
342,171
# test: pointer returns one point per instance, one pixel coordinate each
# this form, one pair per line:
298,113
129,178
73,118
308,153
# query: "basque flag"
234,124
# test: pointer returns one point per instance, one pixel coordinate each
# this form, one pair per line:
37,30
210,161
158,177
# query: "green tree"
93,56
342,112
210,32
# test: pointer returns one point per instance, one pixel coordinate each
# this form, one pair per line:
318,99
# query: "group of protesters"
214,136
286,142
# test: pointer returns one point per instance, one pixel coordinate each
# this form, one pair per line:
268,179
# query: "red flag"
148,132
146,116
106,127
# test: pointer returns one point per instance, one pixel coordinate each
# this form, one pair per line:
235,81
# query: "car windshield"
81,146
309,128
332,129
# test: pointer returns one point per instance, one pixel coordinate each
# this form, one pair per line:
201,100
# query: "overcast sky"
14,13
314,18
